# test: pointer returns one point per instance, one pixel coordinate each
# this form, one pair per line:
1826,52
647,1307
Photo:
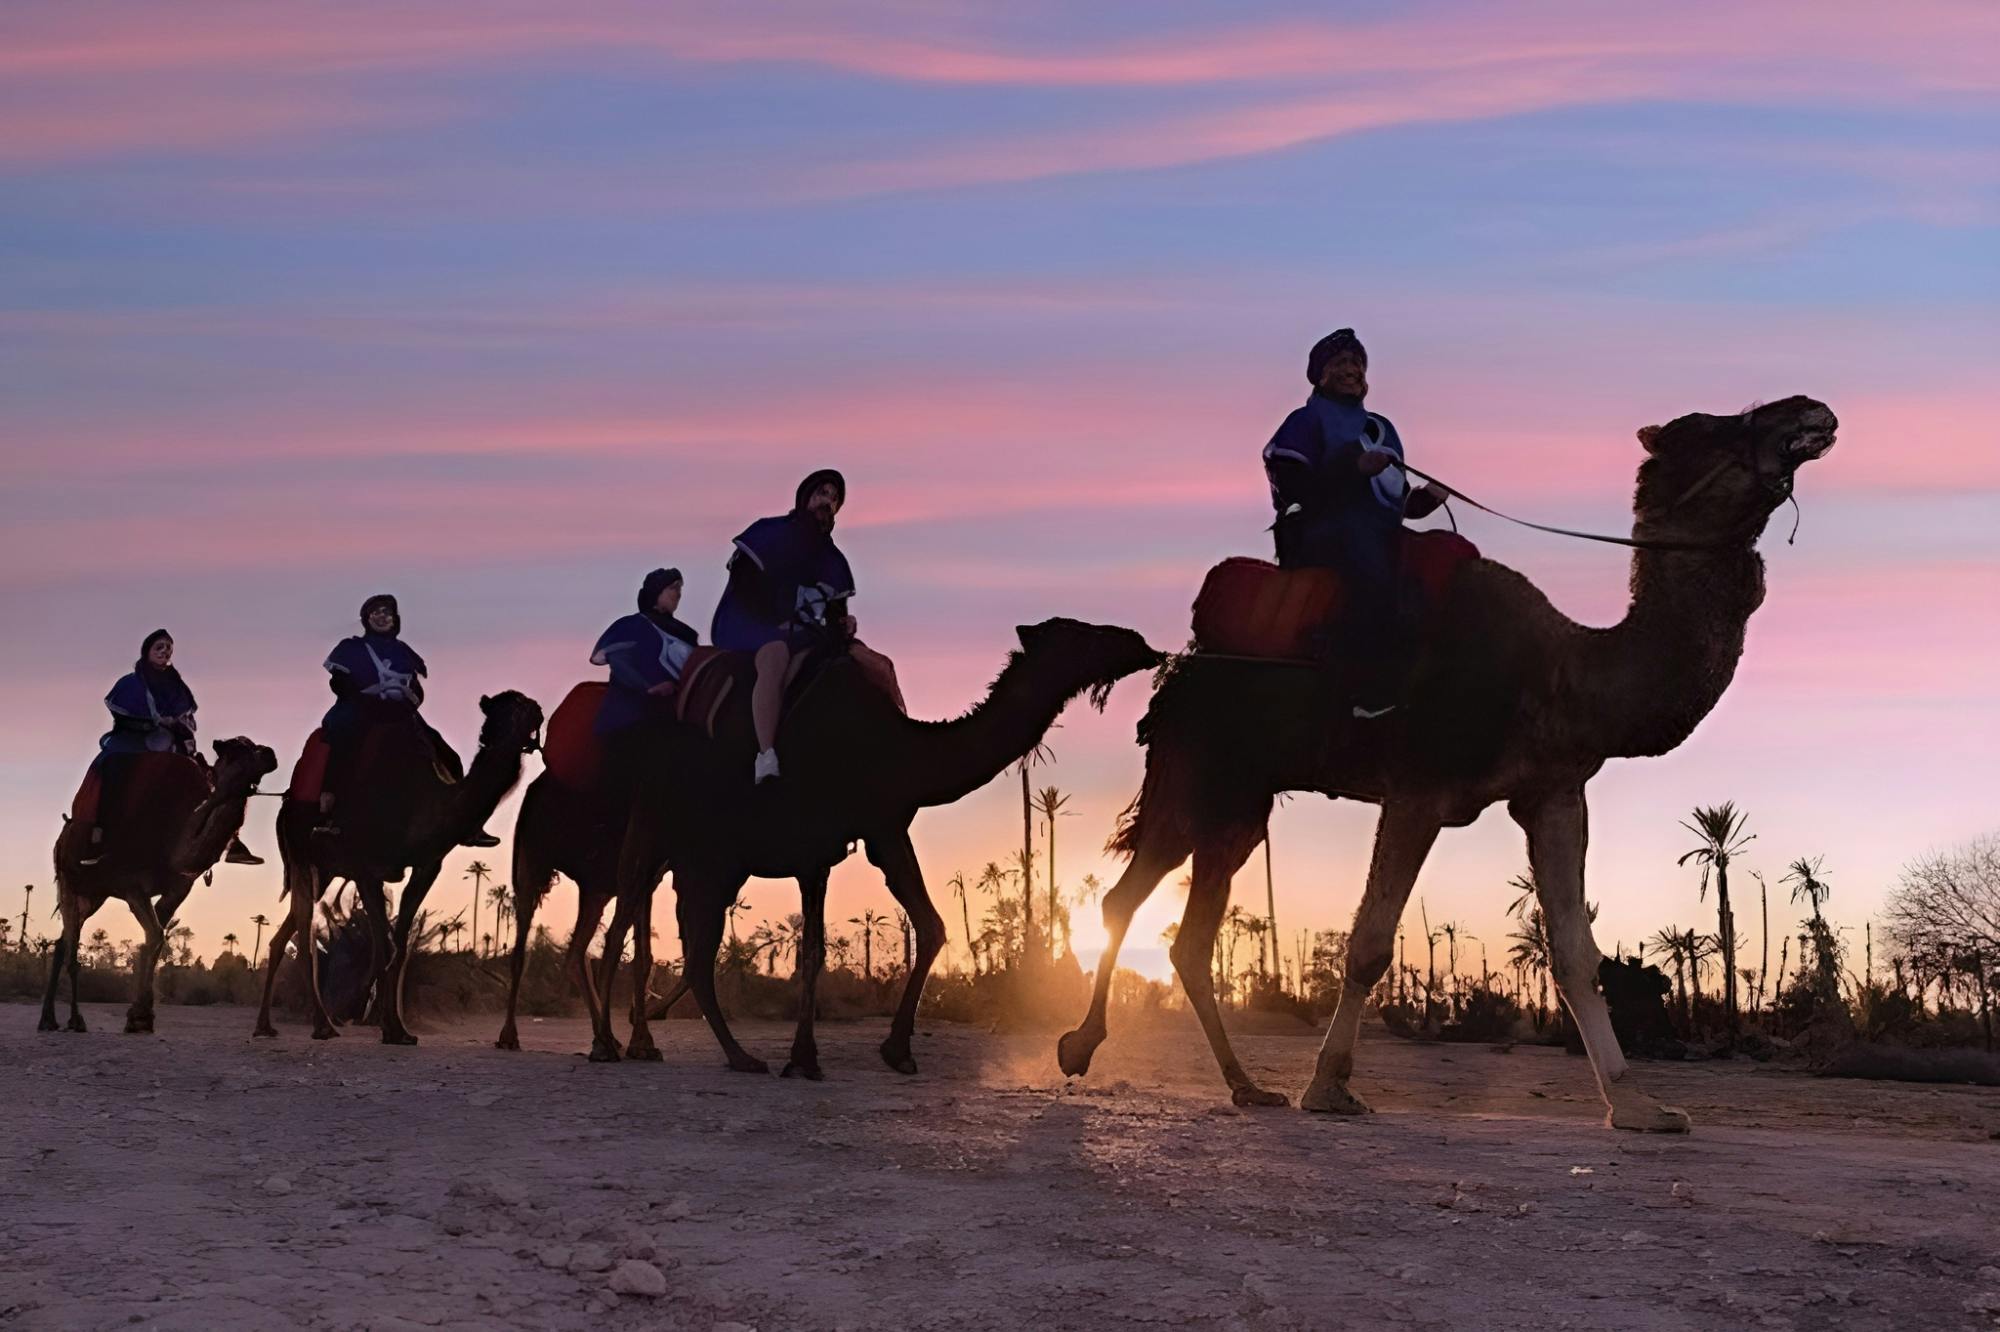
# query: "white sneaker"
767,765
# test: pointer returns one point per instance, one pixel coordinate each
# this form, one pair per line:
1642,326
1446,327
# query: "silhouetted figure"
152,712
787,596
646,652
1341,500
377,679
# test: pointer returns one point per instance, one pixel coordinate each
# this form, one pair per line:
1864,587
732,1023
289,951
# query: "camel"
855,769
1508,700
166,840
403,815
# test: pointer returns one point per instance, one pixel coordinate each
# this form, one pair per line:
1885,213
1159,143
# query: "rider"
1341,498
152,712
787,593
376,676
646,652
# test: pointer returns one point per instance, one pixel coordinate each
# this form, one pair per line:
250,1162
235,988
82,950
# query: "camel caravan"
1370,662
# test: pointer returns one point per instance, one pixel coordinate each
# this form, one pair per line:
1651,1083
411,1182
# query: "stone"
633,1277
589,1258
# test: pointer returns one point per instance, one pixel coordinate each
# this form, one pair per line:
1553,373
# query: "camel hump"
1252,608
573,752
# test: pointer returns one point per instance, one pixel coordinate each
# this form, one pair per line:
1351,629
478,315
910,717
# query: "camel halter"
1781,489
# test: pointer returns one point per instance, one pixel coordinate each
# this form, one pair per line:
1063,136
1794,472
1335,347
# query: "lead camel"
1509,700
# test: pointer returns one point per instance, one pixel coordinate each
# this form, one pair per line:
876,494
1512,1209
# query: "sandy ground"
199,1180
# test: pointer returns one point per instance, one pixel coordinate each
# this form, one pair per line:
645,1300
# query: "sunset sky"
498,306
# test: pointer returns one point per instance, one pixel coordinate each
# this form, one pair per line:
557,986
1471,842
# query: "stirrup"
1363,713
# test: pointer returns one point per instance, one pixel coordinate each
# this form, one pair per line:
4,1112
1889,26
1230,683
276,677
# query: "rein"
1783,490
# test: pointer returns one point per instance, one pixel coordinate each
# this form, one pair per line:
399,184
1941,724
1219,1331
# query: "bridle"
1775,482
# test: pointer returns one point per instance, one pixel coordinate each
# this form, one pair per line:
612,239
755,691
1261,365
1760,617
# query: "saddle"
1252,608
155,781
377,741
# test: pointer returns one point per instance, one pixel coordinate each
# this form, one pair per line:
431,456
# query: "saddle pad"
309,773
573,751
1252,608
155,780
707,681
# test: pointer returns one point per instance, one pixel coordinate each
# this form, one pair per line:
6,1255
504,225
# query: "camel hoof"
326,1033
646,1053
398,1038
48,1024
1648,1118
1332,1100
135,1027
1248,1096
1074,1050
809,1070
898,1059
75,1024
266,1030
508,1041
747,1063
604,1052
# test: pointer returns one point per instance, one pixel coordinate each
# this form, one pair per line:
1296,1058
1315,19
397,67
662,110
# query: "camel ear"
217,747
1649,435
486,702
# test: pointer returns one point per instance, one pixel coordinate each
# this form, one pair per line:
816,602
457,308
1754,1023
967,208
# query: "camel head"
239,763
1718,478
1096,656
513,721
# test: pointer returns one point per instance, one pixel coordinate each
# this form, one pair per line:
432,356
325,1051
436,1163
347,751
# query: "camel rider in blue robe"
786,596
646,653
377,678
1341,498
152,712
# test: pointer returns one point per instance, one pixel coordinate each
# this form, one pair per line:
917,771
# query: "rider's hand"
850,626
662,689
1373,462
1437,492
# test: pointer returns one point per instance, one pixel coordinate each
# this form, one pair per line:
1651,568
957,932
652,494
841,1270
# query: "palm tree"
959,890
1531,952
1722,839
260,920
1049,803
27,897
993,879
1674,944
1803,875
100,947
229,942
501,899
183,938
6,932
870,922
477,871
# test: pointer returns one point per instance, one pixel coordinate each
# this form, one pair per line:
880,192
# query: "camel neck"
951,759
211,825
467,804
1652,678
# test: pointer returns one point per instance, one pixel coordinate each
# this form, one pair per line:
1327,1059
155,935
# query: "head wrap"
824,476
384,601
1341,339
656,582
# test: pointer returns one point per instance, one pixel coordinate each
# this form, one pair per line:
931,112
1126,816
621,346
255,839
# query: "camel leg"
1217,857
812,959
287,926
640,1045
897,859
517,961
139,1017
1153,860
305,905
1403,838
701,904
56,956
576,961
375,908
1558,828
421,879
603,1043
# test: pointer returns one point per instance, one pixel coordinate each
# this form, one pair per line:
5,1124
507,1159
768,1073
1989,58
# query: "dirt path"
199,1180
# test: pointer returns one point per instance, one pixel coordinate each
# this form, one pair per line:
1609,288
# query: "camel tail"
535,830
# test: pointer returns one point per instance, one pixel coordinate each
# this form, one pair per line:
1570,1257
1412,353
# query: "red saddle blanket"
155,781
1252,608
309,773
572,750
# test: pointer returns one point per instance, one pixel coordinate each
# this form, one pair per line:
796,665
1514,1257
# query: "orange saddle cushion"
573,750
1252,608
